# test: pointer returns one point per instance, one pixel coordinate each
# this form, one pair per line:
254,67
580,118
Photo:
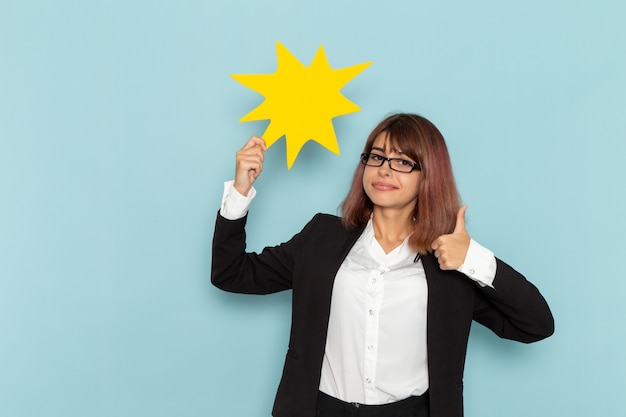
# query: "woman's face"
387,188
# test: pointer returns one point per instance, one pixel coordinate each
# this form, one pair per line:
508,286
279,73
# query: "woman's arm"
232,269
514,308
510,306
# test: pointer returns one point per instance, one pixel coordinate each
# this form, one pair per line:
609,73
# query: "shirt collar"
399,256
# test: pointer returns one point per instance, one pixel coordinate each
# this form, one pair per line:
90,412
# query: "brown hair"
438,200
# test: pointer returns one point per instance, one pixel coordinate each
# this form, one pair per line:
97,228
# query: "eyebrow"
376,148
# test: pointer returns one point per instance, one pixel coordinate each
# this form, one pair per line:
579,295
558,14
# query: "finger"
255,141
250,154
460,220
254,149
250,163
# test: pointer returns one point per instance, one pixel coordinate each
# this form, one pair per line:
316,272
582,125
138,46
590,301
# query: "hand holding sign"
249,164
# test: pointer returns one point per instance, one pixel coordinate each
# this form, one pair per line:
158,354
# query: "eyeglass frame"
415,166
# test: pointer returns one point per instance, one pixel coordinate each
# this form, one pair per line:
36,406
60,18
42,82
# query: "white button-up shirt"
376,341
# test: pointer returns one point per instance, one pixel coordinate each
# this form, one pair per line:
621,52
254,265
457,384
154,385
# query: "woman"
383,297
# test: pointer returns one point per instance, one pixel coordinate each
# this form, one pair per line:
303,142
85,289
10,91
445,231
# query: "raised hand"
451,249
249,164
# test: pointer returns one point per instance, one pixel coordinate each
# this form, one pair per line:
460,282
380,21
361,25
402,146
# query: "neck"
391,227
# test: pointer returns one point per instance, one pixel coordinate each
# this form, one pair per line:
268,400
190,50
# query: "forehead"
386,143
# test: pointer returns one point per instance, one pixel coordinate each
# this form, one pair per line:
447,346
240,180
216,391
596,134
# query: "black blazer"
308,263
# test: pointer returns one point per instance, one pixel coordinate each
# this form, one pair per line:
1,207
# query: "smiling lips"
383,186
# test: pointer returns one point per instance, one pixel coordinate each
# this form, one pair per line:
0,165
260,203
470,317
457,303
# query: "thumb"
460,220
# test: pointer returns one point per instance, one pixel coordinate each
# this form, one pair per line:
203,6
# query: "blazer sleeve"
234,270
514,309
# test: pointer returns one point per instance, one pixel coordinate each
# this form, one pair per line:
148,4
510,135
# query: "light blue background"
119,123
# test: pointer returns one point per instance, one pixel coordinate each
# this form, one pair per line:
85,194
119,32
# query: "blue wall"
119,123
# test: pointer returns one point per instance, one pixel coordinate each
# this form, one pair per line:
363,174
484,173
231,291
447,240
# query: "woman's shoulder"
327,218
323,220
329,223
333,221
326,232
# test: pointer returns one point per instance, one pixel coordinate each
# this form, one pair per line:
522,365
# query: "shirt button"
370,347
368,380
373,280
371,312
472,272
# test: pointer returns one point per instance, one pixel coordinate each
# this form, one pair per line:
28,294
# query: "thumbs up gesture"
451,249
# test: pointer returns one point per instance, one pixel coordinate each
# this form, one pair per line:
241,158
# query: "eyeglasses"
396,164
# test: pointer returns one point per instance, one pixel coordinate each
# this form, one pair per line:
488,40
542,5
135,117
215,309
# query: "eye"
375,157
406,163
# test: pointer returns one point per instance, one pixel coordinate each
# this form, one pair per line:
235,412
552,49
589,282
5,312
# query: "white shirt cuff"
479,264
234,205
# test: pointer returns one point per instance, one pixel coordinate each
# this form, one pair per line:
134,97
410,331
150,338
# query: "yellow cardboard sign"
301,101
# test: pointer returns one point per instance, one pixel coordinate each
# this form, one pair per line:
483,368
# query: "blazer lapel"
341,247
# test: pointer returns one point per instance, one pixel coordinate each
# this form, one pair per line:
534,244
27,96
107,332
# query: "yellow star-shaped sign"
301,101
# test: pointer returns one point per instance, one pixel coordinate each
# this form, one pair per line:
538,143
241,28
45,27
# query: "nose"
385,169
